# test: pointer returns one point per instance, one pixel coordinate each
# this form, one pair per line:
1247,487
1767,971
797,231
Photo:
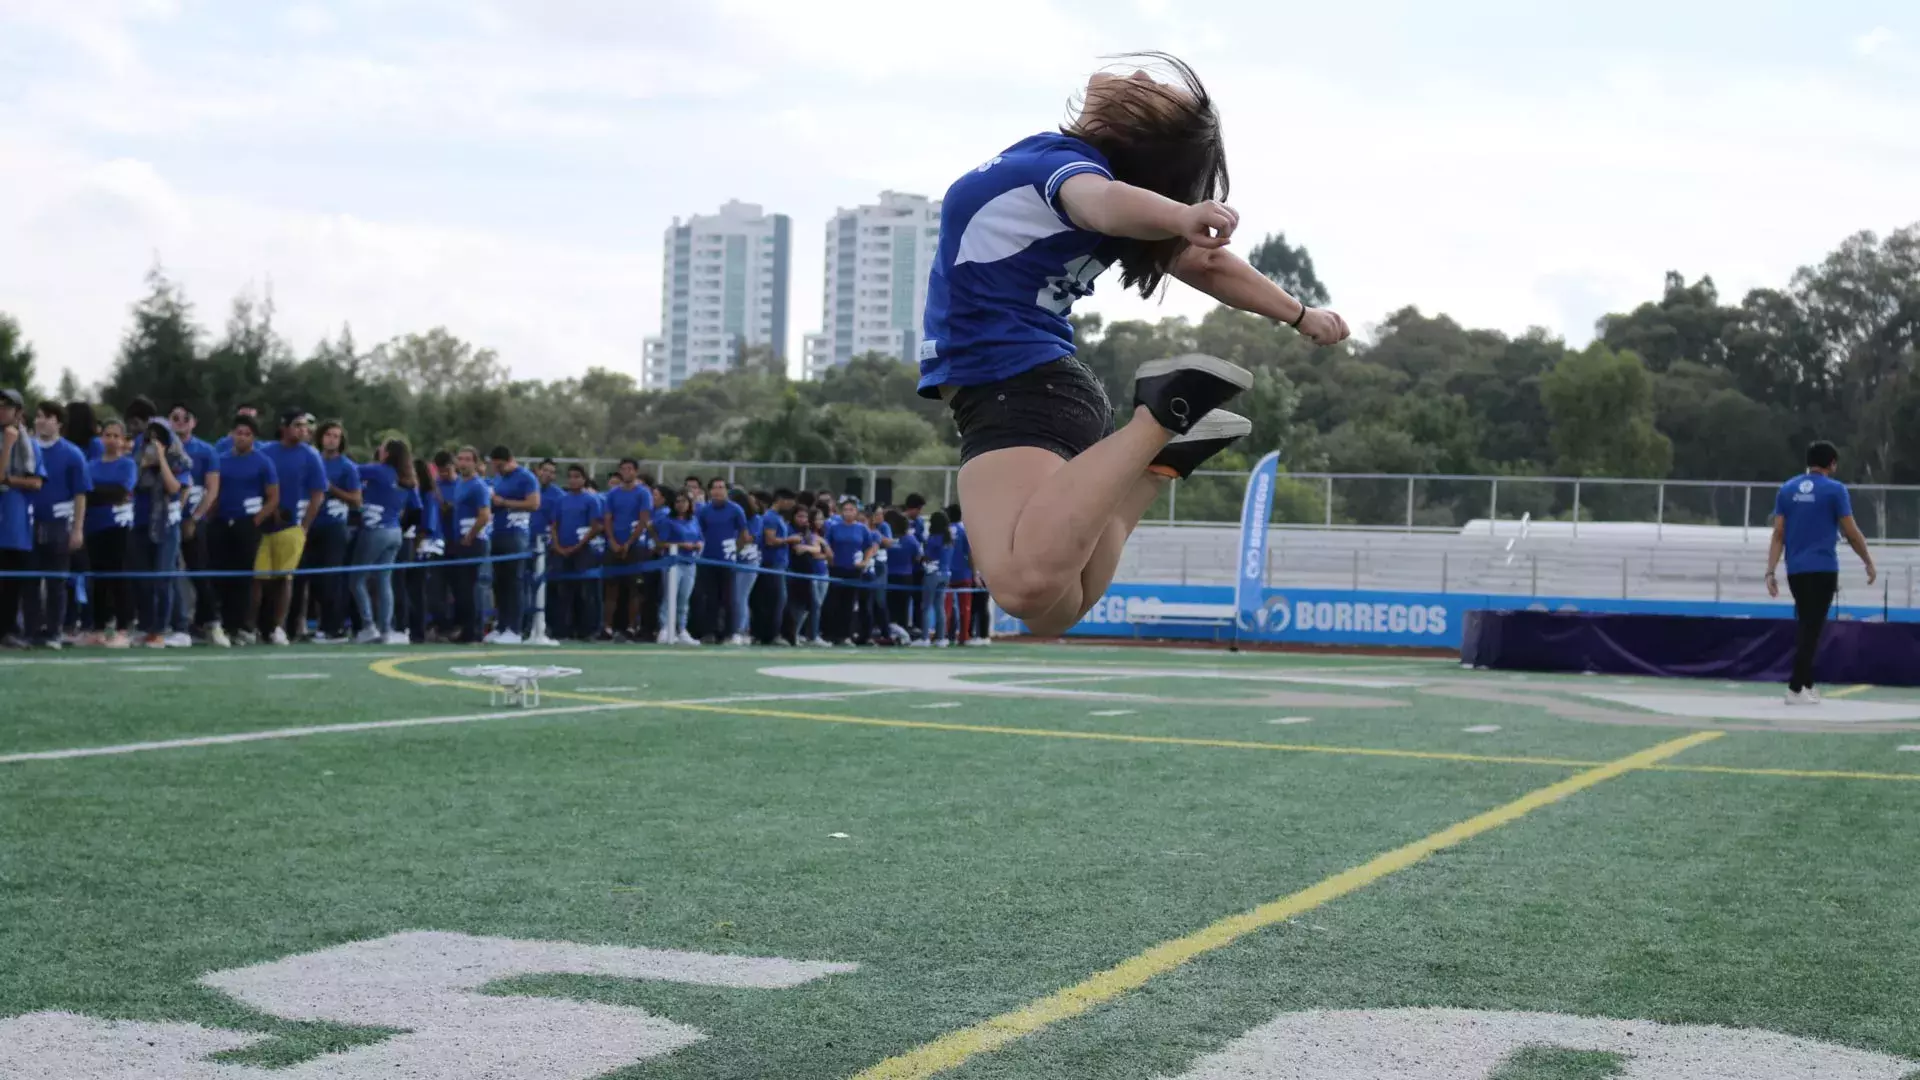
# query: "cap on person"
13,398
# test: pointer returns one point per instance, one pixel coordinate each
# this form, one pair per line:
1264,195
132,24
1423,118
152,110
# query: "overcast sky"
506,167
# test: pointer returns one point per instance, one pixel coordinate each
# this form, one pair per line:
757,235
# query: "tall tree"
1289,267
1601,404
16,358
159,357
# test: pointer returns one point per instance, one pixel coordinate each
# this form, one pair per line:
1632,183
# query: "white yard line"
423,721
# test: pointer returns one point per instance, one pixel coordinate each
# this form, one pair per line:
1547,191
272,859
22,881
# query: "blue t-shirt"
206,462
382,499
341,473
66,466
881,559
628,510
848,542
16,513
962,555
778,556
720,527
1009,266
469,498
222,446
518,484
576,513
937,555
1813,506
542,523
427,537
904,559
303,478
673,530
121,471
244,479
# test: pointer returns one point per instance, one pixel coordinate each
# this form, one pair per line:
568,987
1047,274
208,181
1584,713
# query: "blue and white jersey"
1010,265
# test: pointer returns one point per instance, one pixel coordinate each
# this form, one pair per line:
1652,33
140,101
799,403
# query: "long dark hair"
1165,139
678,498
938,525
399,458
81,427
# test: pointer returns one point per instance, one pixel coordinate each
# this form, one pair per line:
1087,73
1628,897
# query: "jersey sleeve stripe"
1051,189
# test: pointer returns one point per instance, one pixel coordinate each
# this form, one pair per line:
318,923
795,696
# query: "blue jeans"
375,547
739,601
155,595
933,605
676,596
509,598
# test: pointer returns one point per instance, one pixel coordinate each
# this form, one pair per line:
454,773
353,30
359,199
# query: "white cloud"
1874,40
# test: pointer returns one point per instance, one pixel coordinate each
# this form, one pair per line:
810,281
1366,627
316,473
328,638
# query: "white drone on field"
514,684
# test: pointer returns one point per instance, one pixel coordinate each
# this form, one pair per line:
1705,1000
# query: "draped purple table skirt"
1688,646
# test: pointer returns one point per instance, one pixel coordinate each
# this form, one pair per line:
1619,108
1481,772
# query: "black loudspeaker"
883,491
855,488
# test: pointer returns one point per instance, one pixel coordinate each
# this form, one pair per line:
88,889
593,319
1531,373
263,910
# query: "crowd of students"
135,530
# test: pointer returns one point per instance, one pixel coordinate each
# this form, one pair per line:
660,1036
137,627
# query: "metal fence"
1372,501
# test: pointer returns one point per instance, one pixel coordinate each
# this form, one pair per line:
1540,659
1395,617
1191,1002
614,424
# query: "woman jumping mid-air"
1137,180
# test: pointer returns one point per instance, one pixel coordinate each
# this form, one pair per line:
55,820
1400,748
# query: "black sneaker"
1181,390
1215,432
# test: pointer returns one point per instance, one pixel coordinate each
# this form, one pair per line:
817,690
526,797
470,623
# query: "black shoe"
1181,390
1218,430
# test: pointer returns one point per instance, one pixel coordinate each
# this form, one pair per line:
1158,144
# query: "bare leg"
1034,521
254,593
282,600
1098,573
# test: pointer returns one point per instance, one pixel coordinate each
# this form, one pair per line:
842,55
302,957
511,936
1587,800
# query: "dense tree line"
1685,386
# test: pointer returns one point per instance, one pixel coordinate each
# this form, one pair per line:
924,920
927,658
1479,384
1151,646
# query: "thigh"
994,490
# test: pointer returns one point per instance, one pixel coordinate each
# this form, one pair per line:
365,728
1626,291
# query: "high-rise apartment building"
724,290
877,261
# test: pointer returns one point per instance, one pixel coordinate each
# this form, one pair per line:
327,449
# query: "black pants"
464,581
1812,598
651,583
426,596
232,545
197,552
843,610
627,600
112,597
767,608
43,607
13,589
900,596
710,615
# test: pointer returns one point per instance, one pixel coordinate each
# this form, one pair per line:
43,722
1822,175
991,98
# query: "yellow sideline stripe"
391,668
1851,690
951,1050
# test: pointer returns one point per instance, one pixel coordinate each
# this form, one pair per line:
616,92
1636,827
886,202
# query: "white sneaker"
921,644
685,638
217,637
977,643
369,636
942,644
899,632
278,637
399,637
328,639
178,640
1814,694
506,637
664,637
739,639
1803,697
491,637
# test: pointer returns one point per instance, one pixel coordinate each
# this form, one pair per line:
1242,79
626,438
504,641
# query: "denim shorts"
1059,406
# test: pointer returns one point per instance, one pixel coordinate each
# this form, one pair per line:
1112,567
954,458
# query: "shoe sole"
1218,424
1224,370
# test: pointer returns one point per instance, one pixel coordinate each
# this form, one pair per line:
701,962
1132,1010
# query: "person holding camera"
21,472
154,542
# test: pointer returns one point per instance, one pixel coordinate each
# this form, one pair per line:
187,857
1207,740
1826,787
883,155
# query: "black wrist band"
1300,318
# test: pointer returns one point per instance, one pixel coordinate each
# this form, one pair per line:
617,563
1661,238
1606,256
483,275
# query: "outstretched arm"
1227,278
1112,208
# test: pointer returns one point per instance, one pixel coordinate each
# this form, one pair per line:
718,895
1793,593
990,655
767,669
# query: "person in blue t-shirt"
1136,180
629,515
807,563
936,563
22,472
59,529
962,581
774,537
723,530
1810,514
469,528
851,547
540,535
873,601
249,498
283,540
330,544
109,528
903,567
388,489
575,519
516,496
677,538
202,497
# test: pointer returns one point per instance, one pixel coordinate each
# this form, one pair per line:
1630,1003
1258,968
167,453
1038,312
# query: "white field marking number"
1456,1044
423,982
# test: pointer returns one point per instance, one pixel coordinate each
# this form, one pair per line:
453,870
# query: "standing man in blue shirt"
723,530
59,511
283,539
203,496
468,527
516,498
629,512
1811,513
